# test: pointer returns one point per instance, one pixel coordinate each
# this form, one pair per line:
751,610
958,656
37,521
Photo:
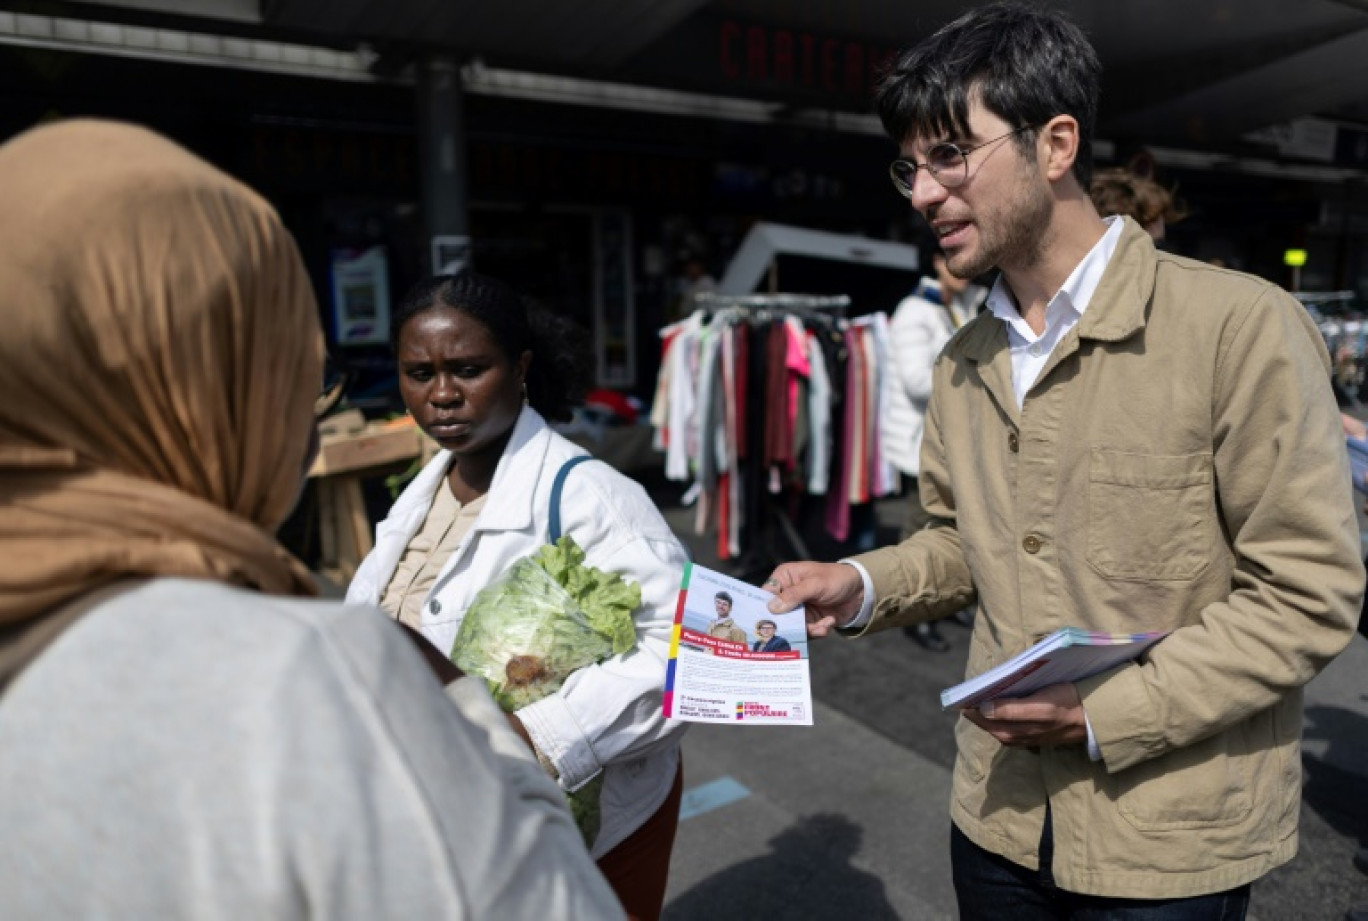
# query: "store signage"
360,295
790,59
315,156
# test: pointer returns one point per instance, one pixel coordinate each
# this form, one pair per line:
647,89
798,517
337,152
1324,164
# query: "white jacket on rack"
606,716
919,329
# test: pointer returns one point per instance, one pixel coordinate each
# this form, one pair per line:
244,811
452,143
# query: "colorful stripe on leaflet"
667,701
679,610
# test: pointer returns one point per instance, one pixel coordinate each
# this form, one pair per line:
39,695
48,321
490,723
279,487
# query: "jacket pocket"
976,747
1201,786
1150,517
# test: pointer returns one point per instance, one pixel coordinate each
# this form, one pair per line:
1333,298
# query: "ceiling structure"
1199,74
585,35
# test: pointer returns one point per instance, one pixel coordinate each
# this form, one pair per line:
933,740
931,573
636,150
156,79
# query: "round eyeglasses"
947,163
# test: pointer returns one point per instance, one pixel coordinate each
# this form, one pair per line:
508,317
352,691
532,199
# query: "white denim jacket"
606,717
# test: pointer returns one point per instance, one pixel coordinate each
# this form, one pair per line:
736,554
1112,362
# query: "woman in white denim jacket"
474,367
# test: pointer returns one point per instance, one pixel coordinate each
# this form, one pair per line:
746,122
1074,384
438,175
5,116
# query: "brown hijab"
159,357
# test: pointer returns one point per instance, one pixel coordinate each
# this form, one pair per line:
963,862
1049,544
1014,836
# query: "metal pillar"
442,161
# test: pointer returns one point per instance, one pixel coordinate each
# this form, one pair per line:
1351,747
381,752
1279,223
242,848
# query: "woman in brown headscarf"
179,739
159,357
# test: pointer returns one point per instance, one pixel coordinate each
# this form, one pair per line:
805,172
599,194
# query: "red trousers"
639,867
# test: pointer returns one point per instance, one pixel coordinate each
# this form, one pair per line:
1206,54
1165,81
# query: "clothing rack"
1344,327
767,532
765,307
775,533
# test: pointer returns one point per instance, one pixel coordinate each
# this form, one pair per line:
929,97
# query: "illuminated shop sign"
790,59
319,157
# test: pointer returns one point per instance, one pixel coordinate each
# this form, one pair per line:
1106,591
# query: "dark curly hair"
1117,190
562,363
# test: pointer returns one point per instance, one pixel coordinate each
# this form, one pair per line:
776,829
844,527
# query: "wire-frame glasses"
947,163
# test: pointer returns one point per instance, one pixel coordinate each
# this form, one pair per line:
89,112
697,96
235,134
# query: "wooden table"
344,460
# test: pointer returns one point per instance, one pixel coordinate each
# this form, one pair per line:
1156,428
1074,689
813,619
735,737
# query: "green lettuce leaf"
607,599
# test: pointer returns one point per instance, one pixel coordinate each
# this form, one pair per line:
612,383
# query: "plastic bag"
546,617
524,634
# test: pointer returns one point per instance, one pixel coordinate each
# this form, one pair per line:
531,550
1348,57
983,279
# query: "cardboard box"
376,445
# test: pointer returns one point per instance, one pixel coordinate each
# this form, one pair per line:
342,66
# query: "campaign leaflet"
731,660
1068,654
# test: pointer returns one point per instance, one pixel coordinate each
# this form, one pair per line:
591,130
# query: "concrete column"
442,150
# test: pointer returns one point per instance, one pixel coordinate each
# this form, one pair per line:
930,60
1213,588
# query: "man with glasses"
1125,441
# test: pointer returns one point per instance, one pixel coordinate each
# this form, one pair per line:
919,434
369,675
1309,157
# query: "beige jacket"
1179,465
727,630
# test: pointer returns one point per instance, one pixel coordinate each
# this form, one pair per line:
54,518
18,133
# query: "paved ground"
848,819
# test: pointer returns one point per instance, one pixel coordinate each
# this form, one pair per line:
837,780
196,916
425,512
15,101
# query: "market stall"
352,450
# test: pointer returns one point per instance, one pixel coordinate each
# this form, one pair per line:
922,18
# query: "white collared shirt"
1029,351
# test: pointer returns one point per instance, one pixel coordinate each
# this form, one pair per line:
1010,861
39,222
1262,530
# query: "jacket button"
435,606
1013,443
1031,544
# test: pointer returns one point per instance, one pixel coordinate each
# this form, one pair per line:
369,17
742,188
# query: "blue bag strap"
554,530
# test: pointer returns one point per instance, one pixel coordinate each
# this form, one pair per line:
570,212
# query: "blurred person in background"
694,279
1119,190
482,374
1106,448
921,325
185,733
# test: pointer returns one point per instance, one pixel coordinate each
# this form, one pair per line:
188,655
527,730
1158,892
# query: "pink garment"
796,361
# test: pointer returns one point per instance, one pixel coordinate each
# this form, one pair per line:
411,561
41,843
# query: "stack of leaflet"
1068,654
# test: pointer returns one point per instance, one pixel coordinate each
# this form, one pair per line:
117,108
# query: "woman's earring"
524,393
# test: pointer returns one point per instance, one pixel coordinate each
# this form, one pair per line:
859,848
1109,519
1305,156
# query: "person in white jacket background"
921,325
481,374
